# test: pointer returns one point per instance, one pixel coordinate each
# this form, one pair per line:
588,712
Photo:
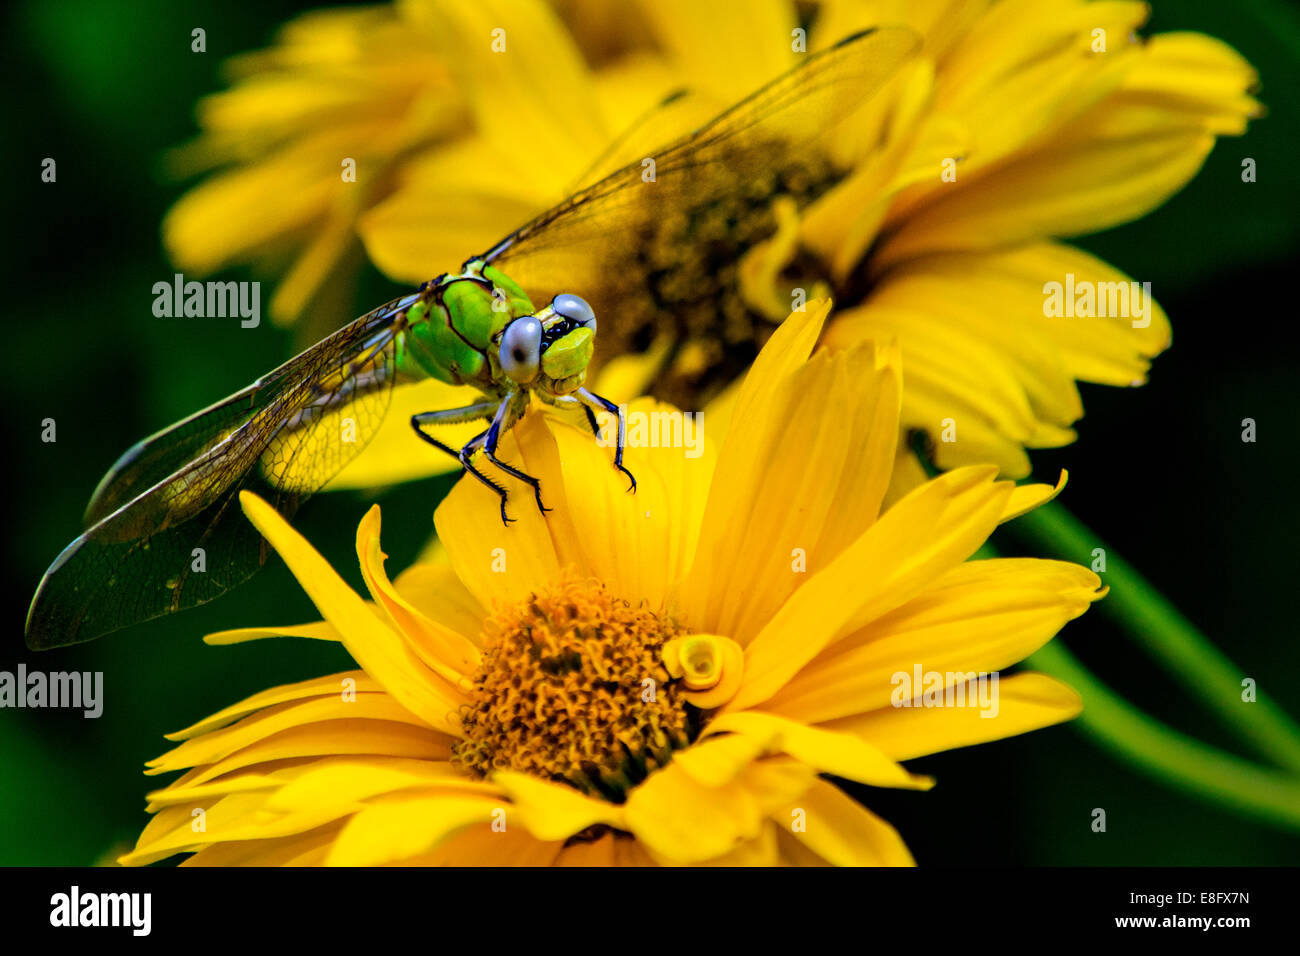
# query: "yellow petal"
926,534
1037,347
845,834
1013,385
553,811
721,50
1025,498
1198,75
531,63
841,754
980,617
218,743
304,849
234,817
1039,58
331,686
498,563
636,542
432,586
202,232
472,191
320,260
1112,351
345,779
204,793
786,351
317,631
899,142
777,780
402,825
791,850
711,667
482,845
364,736
633,373
1109,168
680,819
1024,702
762,850
447,653
965,425
790,499
378,649
718,760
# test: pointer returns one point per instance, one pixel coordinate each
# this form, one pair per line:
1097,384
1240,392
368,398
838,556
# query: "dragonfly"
640,248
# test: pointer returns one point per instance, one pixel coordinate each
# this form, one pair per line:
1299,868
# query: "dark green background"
1160,472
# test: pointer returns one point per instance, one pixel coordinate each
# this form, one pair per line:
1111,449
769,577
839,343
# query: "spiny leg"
451,416
509,412
465,455
591,401
455,416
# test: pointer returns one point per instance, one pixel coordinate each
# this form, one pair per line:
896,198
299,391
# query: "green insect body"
454,332
451,329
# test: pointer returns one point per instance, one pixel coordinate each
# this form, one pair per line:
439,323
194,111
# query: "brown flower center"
572,687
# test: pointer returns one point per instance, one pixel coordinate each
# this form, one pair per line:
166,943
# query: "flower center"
572,686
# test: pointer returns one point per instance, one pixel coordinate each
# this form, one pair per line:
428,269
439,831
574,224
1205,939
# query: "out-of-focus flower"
1011,131
377,88
1018,125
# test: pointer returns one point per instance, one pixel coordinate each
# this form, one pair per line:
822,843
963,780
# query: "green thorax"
453,329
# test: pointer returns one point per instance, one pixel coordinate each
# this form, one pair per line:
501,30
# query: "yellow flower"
460,138
653,678
359,87
1047,136
378,87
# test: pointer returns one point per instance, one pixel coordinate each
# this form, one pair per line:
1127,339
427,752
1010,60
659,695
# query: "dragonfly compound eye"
521,349
572,307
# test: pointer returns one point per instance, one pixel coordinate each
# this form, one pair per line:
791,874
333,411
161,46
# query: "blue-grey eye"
572,307
521,349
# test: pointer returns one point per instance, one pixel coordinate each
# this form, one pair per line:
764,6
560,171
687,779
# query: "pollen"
573,687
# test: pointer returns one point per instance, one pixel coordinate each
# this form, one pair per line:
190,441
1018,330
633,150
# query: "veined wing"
166,532
732,157
669,120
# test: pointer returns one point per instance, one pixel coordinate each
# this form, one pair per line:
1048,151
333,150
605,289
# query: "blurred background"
1160,472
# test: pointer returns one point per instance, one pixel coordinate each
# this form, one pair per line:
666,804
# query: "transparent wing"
656,246
166,532
739,155
669,120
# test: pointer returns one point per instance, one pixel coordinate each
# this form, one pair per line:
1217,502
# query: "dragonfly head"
550,351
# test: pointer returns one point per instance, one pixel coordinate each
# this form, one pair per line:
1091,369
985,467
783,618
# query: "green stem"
1168,636
1169,755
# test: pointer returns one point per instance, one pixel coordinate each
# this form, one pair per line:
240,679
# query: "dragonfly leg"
509,412
465,455
451,416
593,402
454,416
